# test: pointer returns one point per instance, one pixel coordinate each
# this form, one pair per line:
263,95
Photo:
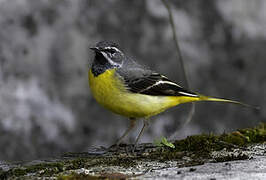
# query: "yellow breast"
109,91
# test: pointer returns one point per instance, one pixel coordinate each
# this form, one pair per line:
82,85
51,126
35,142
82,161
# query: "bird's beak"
96,49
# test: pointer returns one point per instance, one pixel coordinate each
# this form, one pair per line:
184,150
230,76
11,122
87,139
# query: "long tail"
207,98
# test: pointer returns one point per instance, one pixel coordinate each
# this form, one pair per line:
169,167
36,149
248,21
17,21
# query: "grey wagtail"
132,90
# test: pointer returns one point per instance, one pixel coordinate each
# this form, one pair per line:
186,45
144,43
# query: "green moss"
44,169
165,154
77,163
82,176
197,147
163,142
243,137
233,139
50,169
200,146
76,176
100,161
255,135
125,162
194,150
198,143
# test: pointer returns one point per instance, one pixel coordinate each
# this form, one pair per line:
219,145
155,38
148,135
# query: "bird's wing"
143,81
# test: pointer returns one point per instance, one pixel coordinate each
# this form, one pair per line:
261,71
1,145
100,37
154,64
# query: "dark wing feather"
156,85
139,79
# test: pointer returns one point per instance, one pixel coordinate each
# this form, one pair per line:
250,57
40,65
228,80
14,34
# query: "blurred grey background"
46,107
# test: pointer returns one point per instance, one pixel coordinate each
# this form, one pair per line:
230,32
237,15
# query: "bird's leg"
145,123
131,126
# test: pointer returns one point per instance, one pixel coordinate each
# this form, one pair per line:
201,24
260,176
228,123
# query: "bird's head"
108,53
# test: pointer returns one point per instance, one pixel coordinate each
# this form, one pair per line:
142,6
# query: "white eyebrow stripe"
113,48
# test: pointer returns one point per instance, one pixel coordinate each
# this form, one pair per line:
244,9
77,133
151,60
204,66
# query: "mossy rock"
194,150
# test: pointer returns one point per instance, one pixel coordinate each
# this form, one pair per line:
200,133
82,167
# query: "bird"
130,89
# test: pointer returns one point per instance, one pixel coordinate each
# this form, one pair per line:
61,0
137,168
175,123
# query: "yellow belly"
108,90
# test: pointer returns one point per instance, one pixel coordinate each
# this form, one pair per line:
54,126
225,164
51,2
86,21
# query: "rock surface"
196,157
